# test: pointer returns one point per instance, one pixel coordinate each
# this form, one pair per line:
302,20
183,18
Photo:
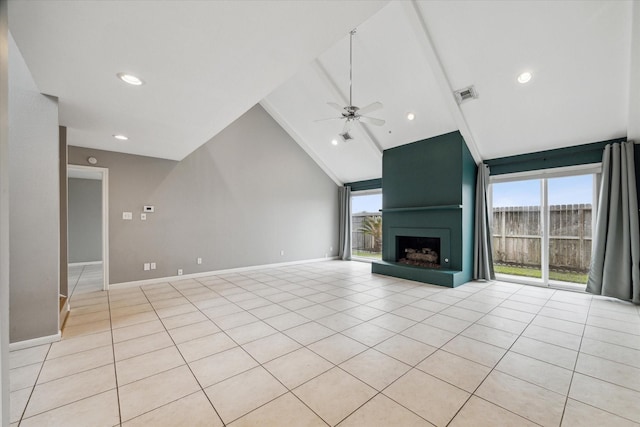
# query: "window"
366,224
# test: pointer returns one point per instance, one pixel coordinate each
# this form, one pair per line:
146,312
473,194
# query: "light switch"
147,266
127,215
153,265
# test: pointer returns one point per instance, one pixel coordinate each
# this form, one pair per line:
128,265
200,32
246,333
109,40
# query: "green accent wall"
370,184
436,177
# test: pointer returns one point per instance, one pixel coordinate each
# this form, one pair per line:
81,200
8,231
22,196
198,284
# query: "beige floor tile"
139,330
86,329
194,409
158,305
229,316
614,337
490,336
364,312
429,335
131,309
431,398
176,310
383,412
392,322
337,348
133,319
551,336
412,313
521,306
100,410
461,372
477,351
480,413
205,346
462,313
405,349
502,324
508,313
545,375
425,304
66,347
268,311
125,302
153,392
141,345
563,314
549,353
339,321
375,368
148,364
447,323
578,414
24,376
69,389
243,393
80,319
286,410
525,399
616,353
250,332
309,333
77,362
183,319
268,348
334,395
297,367
17,403
286,321
255,302
559,325
190,332
368,334
609,371
606,396
616,325
215,368
317,311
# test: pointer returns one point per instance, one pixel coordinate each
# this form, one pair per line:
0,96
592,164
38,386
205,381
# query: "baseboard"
35,342
124,285
80,264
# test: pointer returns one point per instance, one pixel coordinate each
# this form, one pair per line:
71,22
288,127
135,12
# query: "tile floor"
329,343
84,278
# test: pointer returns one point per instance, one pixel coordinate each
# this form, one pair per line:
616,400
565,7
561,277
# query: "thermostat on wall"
148,209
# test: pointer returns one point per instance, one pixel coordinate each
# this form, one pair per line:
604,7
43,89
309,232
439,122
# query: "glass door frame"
369,192
594,169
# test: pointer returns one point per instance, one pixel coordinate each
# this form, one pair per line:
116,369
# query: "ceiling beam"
633,121
414,16
337,93
279,118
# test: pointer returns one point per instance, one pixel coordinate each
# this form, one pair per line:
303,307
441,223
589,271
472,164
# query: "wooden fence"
517,236
360,240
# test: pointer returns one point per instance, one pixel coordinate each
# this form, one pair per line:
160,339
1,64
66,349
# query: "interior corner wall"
85,220
4,217
242,199
34,210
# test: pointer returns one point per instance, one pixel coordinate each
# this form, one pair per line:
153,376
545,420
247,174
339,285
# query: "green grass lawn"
532,272
366,254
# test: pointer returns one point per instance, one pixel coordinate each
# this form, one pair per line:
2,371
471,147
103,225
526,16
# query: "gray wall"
62,183
34,205
85,220
239,200
4,219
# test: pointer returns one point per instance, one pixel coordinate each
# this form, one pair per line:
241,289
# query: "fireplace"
418,251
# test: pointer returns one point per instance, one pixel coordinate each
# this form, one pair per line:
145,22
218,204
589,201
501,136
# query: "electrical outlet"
282,252
199,261
330,248
153,265
179,272
143,217
147,266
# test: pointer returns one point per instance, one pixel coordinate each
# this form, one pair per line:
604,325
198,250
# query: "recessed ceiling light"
411,116
121,137
334,141
524,77
130,78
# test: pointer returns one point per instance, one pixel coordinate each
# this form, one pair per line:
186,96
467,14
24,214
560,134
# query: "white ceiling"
205,63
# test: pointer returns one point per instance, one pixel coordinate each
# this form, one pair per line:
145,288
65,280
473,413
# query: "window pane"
366,222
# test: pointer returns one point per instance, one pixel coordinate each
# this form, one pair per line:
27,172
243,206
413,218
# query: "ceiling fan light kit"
351,113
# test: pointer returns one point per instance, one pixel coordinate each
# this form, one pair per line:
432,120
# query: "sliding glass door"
366,224
542,225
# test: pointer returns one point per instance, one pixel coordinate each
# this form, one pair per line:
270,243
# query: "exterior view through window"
542,227
366,224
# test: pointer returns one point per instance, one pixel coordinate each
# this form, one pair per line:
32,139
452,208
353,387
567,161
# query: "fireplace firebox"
418,251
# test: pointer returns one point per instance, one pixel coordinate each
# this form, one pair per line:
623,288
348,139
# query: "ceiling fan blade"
329,118
347,126
336,106
371,107
372,120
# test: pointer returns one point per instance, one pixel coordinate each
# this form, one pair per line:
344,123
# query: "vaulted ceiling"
205,63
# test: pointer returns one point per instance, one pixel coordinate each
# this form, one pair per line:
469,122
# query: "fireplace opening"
418,251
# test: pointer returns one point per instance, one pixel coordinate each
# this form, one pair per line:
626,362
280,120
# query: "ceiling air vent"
346,136
465,94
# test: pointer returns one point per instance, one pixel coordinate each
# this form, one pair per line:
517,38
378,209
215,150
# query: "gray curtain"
482,250
344,250
616,242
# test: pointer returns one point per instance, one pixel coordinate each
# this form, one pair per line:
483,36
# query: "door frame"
543,175
104,174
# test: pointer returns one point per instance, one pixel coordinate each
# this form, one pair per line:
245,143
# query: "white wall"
34,205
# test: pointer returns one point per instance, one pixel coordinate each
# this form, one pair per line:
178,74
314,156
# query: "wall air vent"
465,94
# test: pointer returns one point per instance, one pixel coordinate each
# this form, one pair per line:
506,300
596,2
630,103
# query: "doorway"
87,229
542,225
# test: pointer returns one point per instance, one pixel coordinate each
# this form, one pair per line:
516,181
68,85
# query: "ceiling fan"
351,113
